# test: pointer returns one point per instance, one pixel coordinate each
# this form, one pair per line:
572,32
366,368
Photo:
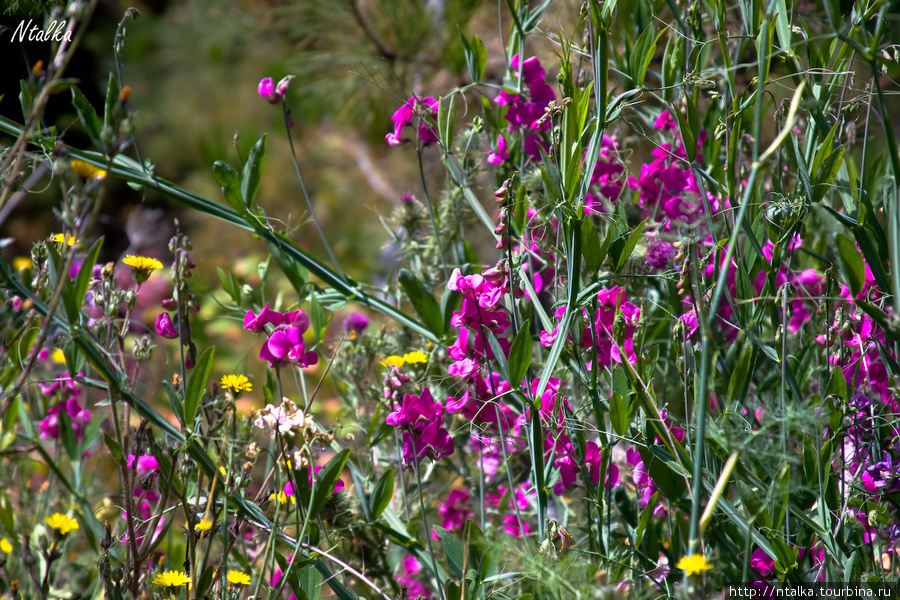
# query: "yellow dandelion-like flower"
282,498
236,383
238,578
68,240
415,357
171,578
392,361
61,523
204,524
22,263
5,546
58,357
87,170
142,263
694,564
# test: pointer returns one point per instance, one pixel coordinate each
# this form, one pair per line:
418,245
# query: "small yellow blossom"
58,357
694,564
142,263
238,578
22,263
408,358
392,361
171,578
236,383
204,524
415,357
5,546
61,523
87,170
282,498
68,240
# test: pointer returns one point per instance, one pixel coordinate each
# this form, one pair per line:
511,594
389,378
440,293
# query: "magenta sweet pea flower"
286,346
266,316
164,326
403,116
266,90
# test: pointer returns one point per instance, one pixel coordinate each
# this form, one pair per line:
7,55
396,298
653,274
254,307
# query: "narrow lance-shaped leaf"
423,302
252,174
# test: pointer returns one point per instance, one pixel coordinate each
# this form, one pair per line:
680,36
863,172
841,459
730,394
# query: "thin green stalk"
312,212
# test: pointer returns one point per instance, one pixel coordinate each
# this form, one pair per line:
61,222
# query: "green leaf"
630,244
74,292
317,317
252,173
476,56
292,269
837,384
739,376
325,480
664,474
423,302
382,494
197,384
8,425
642,54
310,582
618,414
230,181
852,263
454,551
114,448
230,284
87,115
112,97
446,121
520,354
204,582
590,246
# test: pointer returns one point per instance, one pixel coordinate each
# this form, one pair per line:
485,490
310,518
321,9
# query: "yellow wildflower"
238,578
415,357
236,383
282,498
5,546
61,523
204,524
694,564
22,263
58,357
142,263
392,361
171,578
68,240
87,170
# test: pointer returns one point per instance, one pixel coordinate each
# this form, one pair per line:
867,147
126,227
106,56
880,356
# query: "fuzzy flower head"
694,564
86,170
238,578
61,523
142,266
281,419
236,383
171,579
68,240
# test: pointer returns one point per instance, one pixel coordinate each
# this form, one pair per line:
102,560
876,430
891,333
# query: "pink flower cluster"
667,189
599,338
285,343
403,116
420,419
69,393
525,113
